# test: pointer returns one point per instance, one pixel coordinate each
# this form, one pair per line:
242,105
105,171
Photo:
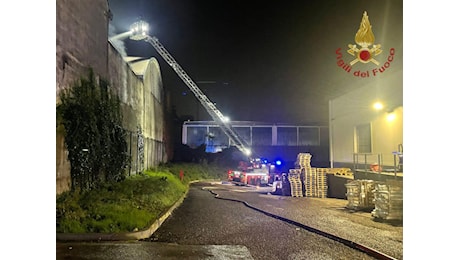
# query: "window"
217,137
308,136
363,140
244,132
196,136
287,136
261,136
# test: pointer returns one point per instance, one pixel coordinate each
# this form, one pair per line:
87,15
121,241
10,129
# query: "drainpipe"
331,151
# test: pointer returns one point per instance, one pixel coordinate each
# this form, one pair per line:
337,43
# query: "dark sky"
270,61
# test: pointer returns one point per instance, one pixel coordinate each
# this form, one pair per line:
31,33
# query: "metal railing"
375,163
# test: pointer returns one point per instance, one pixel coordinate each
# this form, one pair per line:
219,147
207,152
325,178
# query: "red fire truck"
254,172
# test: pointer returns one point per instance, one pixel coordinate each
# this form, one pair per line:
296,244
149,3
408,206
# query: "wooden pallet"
340,172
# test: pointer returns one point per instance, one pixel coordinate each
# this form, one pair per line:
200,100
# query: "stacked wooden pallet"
303,163
310,182
295,182
315,182
321,183
314,179
388,199
303,160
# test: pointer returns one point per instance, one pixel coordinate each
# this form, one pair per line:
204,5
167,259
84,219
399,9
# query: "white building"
361,134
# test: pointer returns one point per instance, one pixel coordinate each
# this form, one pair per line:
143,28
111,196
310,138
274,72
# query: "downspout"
331,146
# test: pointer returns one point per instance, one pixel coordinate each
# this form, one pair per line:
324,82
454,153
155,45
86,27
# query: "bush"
94,137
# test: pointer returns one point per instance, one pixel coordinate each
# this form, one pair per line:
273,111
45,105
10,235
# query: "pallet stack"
303,163
388,199
310,182
316,182
303,160
321,182
360,194
295,182
314,179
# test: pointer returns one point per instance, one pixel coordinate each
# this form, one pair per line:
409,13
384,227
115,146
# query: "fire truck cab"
254,172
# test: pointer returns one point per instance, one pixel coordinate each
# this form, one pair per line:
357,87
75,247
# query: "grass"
133,204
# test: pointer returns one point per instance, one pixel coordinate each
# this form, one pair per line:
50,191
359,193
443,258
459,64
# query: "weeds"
134,203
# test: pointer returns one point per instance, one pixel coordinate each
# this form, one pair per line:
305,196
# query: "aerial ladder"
138,32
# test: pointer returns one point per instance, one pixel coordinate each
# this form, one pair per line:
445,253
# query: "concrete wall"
81,36
81,42
140,88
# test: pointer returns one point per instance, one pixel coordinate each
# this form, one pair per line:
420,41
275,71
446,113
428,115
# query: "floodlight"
247,152
139,30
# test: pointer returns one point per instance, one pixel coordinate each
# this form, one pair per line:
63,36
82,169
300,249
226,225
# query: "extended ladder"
216,115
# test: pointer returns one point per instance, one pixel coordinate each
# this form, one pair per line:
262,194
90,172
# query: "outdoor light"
247,152
225,119
378,106
139,30
391,116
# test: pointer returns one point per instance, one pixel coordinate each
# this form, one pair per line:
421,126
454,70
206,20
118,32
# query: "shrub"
94,136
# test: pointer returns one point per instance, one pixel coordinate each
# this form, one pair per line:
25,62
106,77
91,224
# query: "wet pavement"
148,250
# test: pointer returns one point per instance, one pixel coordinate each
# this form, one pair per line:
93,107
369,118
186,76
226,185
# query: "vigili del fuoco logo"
365,51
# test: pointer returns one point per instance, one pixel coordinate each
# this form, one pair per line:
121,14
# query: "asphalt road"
204,227
205,220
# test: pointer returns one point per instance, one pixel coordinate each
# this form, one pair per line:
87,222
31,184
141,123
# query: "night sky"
271,61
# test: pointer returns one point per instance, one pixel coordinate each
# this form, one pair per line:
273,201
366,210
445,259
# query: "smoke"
117,43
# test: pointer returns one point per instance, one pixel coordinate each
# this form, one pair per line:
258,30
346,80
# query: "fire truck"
254,172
